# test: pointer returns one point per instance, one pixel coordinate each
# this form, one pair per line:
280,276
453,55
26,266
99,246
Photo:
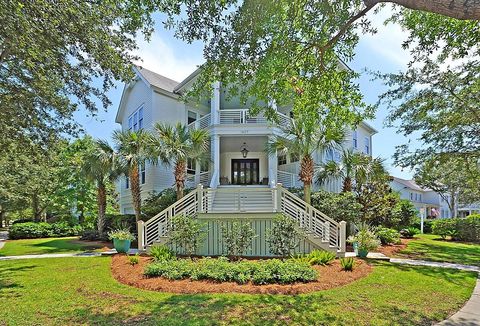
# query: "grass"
43,246
82,291
432,247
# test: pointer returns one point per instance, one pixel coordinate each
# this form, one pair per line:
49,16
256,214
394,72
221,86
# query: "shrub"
32,230
409,232
284,236
121,234
427,225
186,234
241,272
237,237
387,236
161,253
340,207
133,260
321,257
468,229
365,239
444,227
112,222
177,269
347,263
158,201
403,215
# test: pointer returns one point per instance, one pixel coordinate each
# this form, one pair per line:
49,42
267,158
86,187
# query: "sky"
175,59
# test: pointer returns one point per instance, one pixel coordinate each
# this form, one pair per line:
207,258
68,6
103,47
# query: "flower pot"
355,248
362,253
122,246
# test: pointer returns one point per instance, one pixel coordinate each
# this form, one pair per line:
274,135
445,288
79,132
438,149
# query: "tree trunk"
180,169
459,9
102,206
135,189
452,204
347,184
37,213
306,176
2,217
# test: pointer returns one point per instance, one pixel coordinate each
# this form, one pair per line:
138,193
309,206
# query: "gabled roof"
156,80
410,184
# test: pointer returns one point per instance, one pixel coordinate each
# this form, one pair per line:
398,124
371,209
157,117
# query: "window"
367,145
190,166
294,158
127,182
191,117
411,196
142,174
416,196
355,141
420,197
135,121
282,159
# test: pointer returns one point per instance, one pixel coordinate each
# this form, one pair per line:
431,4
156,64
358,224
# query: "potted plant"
122,238
365,241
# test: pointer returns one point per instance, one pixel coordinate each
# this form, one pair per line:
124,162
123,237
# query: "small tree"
186,234
340,207
284,236
237,236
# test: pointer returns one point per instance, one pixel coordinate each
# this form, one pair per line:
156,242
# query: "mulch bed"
392,250
329,277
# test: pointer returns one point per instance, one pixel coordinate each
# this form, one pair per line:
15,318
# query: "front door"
245,171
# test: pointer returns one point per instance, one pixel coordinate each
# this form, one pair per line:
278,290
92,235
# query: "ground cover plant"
45,246
432,247
391,294
223,270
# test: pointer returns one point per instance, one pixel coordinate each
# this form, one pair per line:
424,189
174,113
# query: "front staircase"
321,231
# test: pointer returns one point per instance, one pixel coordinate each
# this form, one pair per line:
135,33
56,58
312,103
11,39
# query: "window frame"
282,159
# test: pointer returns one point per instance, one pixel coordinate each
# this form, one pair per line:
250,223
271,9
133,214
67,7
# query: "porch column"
215,152
197,173
215,104
272,167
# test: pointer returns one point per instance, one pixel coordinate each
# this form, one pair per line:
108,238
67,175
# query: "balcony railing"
236,117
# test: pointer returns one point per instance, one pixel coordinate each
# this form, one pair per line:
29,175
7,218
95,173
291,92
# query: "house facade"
428,202
238,139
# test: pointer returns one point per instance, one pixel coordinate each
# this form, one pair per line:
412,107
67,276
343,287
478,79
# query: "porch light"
244,150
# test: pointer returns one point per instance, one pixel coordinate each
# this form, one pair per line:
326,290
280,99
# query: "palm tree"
353,168
301,138
134,150
100,166
176,145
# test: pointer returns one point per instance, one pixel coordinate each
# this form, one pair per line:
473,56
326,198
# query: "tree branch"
459,9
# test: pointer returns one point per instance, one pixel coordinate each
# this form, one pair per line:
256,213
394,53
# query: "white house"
241,177
428,202
238,140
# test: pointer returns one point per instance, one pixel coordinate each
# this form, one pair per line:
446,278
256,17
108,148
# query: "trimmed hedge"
272,271
32,230
462,229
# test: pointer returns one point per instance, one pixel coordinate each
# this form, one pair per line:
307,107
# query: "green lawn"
432,247
82,291
43,246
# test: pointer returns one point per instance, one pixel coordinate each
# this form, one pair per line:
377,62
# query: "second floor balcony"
238,117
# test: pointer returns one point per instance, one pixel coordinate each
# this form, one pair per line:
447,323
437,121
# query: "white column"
272,168
215,161
197,173
342,238
215,103
141,235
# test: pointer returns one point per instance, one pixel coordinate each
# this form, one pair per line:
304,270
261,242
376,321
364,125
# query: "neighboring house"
428,202
241,178
238,140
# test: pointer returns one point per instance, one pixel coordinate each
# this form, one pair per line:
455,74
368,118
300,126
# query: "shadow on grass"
443,253
9,288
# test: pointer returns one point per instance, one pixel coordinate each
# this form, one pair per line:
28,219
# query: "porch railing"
234,117
316,224
288,179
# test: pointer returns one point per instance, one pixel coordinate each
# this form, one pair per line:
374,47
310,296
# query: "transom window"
135,121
